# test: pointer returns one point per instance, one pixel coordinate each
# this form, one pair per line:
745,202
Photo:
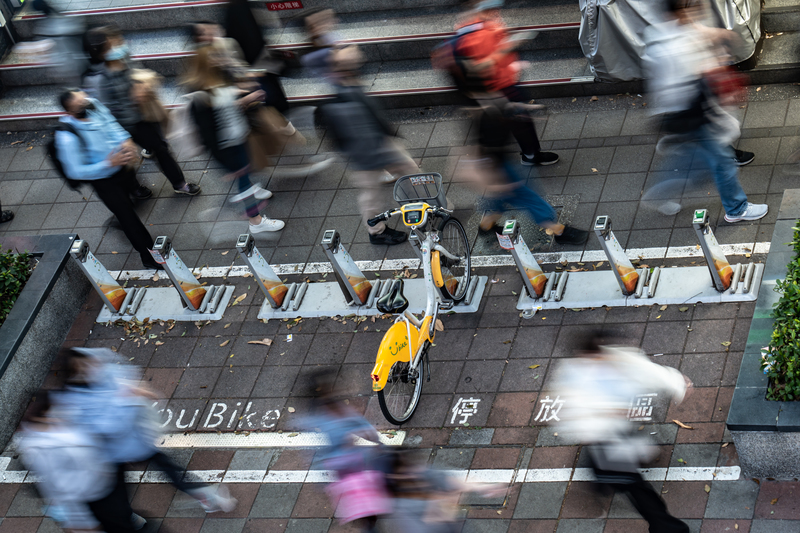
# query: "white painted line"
490,476
536,475
244,476
481,475
480,261
262,440
4,461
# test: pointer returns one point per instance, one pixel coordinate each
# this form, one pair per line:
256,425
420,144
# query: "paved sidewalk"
214,381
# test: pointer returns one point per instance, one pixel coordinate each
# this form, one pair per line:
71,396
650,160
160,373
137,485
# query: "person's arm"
71,153
115,132
203,115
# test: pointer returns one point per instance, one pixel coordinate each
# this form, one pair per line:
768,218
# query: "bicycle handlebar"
380,218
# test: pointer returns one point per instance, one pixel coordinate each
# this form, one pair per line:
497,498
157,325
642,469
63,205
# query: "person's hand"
252,97
120,157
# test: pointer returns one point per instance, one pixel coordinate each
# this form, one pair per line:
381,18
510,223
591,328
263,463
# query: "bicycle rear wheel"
400,397
455,272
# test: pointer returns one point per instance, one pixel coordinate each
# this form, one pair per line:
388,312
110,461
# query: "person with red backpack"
485,60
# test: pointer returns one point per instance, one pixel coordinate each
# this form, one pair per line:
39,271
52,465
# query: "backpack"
183,135
445,56
52,154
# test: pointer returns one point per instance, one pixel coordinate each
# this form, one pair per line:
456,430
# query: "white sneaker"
753,212
259,192
388,177
267,224
147,154
137,522
215,499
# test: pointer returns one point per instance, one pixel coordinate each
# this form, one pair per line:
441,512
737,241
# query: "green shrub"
15,269
781,359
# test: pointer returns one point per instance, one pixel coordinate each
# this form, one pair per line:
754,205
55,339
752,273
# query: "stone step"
409,83
780,16
777,60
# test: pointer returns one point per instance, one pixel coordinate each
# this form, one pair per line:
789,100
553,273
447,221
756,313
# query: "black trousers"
271,84
646,500
149,136
166,465
524,131
115,192
114,511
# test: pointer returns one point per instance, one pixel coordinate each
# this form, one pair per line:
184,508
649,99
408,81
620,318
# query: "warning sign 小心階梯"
280,6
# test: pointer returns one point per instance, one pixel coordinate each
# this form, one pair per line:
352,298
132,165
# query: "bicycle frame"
408,331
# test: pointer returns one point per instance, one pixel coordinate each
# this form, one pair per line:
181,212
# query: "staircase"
396,37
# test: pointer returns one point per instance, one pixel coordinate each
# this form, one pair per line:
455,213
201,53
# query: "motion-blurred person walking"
596,389
102,398
132,101
73,473
683,70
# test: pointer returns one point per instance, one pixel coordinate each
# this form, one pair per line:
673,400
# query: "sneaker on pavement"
752,212
147,154
189,189
388,236
6,216
541,159
743,158
259,192
572,235
267,224
152,265
141,193
137,522
215,499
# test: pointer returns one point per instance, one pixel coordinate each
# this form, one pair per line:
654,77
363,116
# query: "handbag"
728,85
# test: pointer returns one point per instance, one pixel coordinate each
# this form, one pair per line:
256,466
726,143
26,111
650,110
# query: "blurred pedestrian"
485,49
596,389
102,398
73,473
219,109
92,147
111,80
360,486
499,180
682,64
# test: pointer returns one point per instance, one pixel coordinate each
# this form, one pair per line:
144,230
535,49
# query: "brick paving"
211,379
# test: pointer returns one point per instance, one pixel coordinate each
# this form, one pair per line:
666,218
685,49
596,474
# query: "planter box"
767,433
38,324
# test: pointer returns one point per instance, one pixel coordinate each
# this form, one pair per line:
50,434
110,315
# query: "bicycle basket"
425,187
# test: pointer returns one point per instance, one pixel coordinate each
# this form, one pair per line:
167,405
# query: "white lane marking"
303,439
481,475
658,252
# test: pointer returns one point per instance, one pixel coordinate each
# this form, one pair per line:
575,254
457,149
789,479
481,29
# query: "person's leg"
526,198
168,466
726,174
235,159
370,199
524,131
271,84
652,508
148,135
114,193
114,511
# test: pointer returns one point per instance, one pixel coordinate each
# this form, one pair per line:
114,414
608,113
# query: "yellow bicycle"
399,370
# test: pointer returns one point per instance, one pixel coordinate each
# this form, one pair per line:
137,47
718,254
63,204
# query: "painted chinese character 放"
549,409
464,408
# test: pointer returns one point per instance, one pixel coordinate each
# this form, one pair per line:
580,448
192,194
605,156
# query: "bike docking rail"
351,294
186,300
717,282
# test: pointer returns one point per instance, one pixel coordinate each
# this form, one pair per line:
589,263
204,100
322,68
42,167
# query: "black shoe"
6,216
572,235
152,265
541,159
389,236
743,158
141,193
189,189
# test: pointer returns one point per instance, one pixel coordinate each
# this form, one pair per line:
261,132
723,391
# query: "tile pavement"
490,356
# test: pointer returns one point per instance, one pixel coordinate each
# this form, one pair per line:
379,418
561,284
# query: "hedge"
15,269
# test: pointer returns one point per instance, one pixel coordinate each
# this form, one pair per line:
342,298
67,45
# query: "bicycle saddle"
393,301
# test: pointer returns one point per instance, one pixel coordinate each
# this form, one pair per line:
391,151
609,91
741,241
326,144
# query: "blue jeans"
235,159
719,159
523,197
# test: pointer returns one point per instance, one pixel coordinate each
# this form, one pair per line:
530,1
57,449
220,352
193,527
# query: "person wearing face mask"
101,158
109,80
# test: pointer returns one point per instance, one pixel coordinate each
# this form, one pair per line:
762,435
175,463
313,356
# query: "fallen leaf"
225,343
726,343
662,308
725,445
226,326
593,99
290,409
265,342
225,252
438,326
683,309
707,489
594,169
534,366
159,343
239,299
155,277
735,526
684,426
293,434
115,253
773,501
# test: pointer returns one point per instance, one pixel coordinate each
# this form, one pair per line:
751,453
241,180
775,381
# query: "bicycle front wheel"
400,397
455,272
